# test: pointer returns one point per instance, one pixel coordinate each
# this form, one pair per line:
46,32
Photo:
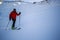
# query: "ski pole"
7,24
19,19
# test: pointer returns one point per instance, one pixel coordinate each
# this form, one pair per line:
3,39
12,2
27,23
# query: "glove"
9,19
19,12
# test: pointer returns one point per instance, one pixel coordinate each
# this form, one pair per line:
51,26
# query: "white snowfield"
37,21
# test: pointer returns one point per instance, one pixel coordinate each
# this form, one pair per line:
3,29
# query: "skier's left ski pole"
19,18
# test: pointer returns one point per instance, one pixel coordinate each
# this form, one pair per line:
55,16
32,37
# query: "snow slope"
38,22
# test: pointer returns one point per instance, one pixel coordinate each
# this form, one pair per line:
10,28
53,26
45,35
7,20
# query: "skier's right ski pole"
7,25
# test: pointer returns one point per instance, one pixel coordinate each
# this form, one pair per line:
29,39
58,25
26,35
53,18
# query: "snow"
38,22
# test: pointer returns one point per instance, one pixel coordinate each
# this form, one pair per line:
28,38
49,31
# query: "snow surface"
38,22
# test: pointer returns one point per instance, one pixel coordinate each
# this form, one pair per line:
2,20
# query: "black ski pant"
13,20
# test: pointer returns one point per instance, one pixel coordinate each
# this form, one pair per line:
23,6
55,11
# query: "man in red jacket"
12,16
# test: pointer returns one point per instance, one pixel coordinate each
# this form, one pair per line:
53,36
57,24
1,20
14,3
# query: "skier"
12,16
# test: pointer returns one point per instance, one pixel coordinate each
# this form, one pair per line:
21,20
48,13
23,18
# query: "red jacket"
13,15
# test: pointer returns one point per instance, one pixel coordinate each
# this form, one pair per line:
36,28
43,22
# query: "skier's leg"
13,25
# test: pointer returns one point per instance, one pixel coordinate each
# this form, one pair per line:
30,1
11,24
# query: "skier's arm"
18,14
